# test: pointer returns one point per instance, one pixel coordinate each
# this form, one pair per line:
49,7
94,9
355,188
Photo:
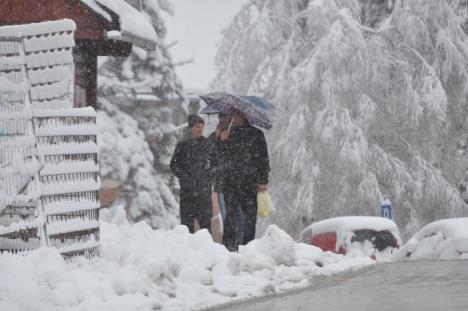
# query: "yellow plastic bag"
263,204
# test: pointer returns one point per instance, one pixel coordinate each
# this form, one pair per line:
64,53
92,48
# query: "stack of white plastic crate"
65,140
21,223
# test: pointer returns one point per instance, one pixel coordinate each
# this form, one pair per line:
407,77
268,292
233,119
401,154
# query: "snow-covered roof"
352,223
134,26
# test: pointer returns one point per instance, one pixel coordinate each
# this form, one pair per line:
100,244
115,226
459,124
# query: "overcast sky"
197,25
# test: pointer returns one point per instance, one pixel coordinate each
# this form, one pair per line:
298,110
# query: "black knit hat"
194,119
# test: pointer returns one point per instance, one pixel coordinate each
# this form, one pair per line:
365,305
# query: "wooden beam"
103,48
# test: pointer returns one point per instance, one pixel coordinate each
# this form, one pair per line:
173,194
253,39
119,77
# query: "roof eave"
107,24
143,43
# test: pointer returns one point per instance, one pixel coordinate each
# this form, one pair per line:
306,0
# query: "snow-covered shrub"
125,156
140,102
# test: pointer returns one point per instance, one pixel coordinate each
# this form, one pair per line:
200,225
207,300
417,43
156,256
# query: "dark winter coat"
246,157
191,164
218,160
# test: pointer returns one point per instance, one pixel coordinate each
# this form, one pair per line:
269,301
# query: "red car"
342,234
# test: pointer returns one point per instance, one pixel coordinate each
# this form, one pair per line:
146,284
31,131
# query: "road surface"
407,286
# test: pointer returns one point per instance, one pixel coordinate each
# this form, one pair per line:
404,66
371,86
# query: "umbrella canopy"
209,110
260,102
226,103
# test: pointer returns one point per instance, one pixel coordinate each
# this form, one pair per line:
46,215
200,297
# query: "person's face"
197,130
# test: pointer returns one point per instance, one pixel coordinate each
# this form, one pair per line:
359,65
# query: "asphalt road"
407,286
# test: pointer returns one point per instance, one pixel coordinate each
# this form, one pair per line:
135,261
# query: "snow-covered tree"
147,100
371,100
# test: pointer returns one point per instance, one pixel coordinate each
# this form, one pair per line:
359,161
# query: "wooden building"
103,28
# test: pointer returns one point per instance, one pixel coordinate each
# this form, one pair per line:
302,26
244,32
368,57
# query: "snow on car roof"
131,21
451,227
352,223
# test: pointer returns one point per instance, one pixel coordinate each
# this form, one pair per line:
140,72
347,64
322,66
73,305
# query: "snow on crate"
39,43
64,112
22,225
64,148
44,60
39,29
70,167
44,92
79,247
72,225
86,184
67,130
70,206
49,74
442,239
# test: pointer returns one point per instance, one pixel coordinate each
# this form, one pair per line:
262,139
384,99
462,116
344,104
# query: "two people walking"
234,162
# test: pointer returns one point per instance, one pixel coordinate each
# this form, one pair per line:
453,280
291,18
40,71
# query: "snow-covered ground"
144,269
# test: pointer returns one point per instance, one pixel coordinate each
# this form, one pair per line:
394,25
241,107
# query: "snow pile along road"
144,269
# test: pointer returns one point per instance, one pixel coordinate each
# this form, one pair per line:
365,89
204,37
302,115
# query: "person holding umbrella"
246,168
218,160
191,164
245,174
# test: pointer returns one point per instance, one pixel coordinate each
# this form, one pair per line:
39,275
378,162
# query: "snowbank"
144,269
442,239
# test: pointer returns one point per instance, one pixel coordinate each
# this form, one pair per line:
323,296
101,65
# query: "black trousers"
244,196
195,204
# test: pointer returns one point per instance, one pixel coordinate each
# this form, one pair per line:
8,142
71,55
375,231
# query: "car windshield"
380,239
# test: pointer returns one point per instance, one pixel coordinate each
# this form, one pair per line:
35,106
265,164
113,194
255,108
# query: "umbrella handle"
230,125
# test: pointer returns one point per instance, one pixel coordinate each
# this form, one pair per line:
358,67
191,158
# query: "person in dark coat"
218,154
191,164
245,173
